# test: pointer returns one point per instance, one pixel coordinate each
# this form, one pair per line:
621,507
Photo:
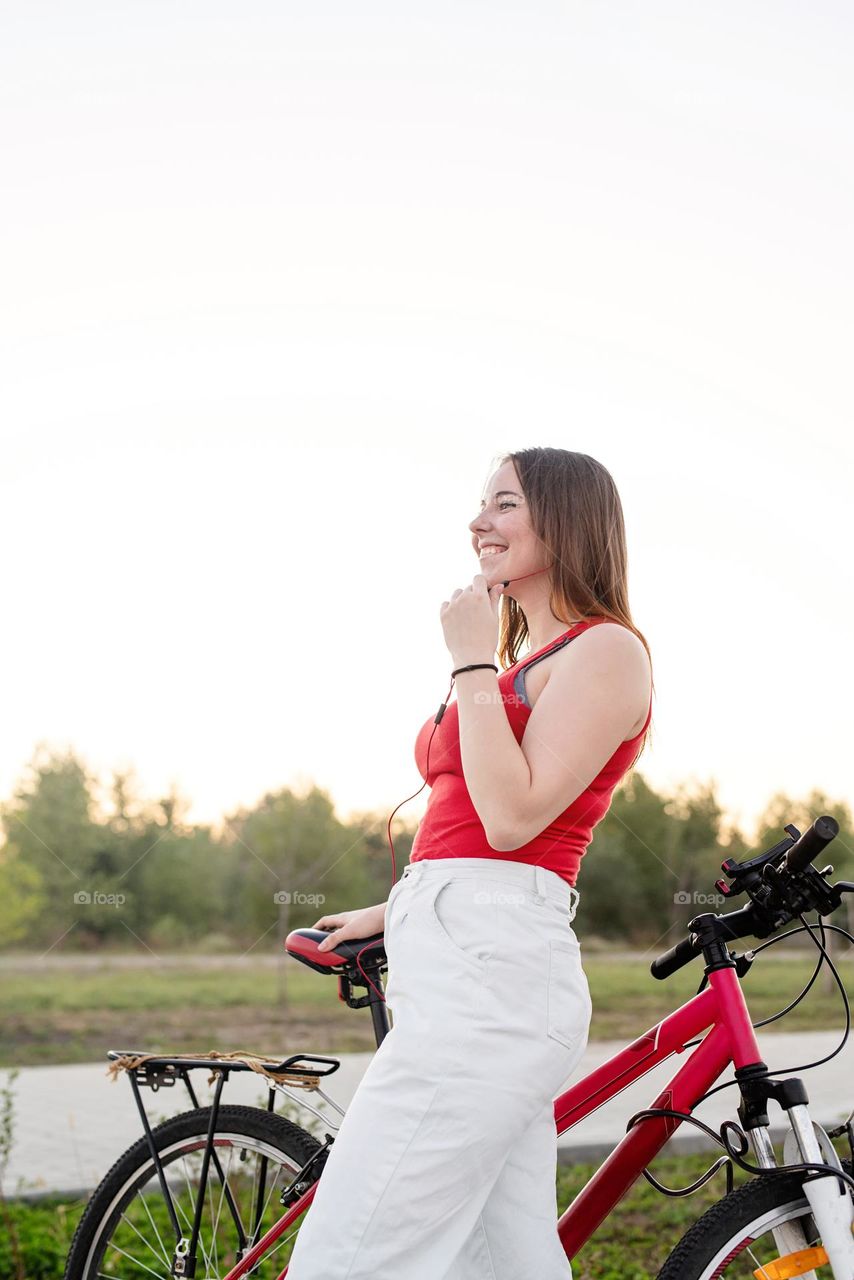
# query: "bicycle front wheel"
736,1238
126,1229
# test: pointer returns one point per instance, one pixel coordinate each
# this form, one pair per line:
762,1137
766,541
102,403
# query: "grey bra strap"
519,678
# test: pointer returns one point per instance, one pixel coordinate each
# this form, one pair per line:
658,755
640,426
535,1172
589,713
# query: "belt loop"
540,881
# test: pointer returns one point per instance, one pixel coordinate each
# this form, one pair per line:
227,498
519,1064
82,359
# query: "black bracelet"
475,666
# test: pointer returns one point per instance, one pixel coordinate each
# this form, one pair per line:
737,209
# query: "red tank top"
451,828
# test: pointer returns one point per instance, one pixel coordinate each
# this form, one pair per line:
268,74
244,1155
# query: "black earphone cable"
437,720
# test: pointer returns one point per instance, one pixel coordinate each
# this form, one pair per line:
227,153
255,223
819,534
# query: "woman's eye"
500,505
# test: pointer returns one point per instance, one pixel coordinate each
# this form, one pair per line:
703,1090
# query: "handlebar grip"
811,844
675,958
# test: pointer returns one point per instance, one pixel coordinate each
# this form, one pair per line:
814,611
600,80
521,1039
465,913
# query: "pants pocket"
462,917
391,903
569,1003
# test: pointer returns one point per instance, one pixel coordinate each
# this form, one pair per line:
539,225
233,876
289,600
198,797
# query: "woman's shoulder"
615,632
612,642
612,638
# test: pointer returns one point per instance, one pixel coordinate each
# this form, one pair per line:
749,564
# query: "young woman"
444,1166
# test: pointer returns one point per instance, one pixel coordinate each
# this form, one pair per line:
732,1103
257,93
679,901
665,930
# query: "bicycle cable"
733,1156
730,1126
805,925
754,951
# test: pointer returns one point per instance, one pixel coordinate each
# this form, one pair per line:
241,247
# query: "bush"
43,1229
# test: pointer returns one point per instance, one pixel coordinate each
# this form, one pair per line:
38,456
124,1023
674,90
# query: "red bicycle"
219,1190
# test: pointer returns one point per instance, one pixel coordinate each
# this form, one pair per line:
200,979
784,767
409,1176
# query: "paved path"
71,1122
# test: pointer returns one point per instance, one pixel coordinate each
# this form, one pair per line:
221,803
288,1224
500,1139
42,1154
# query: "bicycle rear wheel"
126,1229
735,1239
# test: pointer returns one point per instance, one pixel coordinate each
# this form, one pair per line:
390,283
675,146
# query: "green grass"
641,1232
75,1013
643,1229
632,1243
161,988
627,999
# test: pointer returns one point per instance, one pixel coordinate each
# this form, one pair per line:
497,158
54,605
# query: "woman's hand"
470,622
362,923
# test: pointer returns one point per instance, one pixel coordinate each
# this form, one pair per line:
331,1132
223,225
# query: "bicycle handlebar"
675,958
758,918
810,844
737,924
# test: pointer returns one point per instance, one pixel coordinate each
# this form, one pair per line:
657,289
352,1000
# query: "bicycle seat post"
379,1013
375,998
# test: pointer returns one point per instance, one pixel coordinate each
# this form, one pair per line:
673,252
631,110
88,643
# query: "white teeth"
492,551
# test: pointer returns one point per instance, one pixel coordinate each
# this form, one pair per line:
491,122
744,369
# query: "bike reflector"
794,1264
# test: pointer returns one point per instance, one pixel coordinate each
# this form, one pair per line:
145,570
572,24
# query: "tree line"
80,873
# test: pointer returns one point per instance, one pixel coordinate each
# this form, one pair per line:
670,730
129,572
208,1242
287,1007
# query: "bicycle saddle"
302,945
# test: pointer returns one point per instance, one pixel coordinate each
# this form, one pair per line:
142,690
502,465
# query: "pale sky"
280,280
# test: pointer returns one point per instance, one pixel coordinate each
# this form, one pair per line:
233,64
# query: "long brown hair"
577,515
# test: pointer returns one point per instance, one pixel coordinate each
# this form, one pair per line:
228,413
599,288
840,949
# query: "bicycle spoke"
188,1223
135,1232
215,1228
160,1258
214,1244
154,1229
131,1258
267,1201
278,1245
253,1207
759,1265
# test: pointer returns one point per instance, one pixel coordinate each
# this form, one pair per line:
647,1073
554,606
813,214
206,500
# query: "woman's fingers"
337,924
362,923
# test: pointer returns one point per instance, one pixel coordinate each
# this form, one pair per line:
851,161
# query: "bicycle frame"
731,1039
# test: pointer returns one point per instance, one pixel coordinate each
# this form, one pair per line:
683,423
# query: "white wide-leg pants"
444,1165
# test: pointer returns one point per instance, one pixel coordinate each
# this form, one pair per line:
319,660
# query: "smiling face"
502,535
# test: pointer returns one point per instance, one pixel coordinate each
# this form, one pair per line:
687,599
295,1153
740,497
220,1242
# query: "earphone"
437,721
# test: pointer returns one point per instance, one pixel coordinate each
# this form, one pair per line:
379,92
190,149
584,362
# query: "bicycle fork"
829,1198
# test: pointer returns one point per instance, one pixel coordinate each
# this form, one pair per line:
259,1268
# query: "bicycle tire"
711,1248
251,1126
